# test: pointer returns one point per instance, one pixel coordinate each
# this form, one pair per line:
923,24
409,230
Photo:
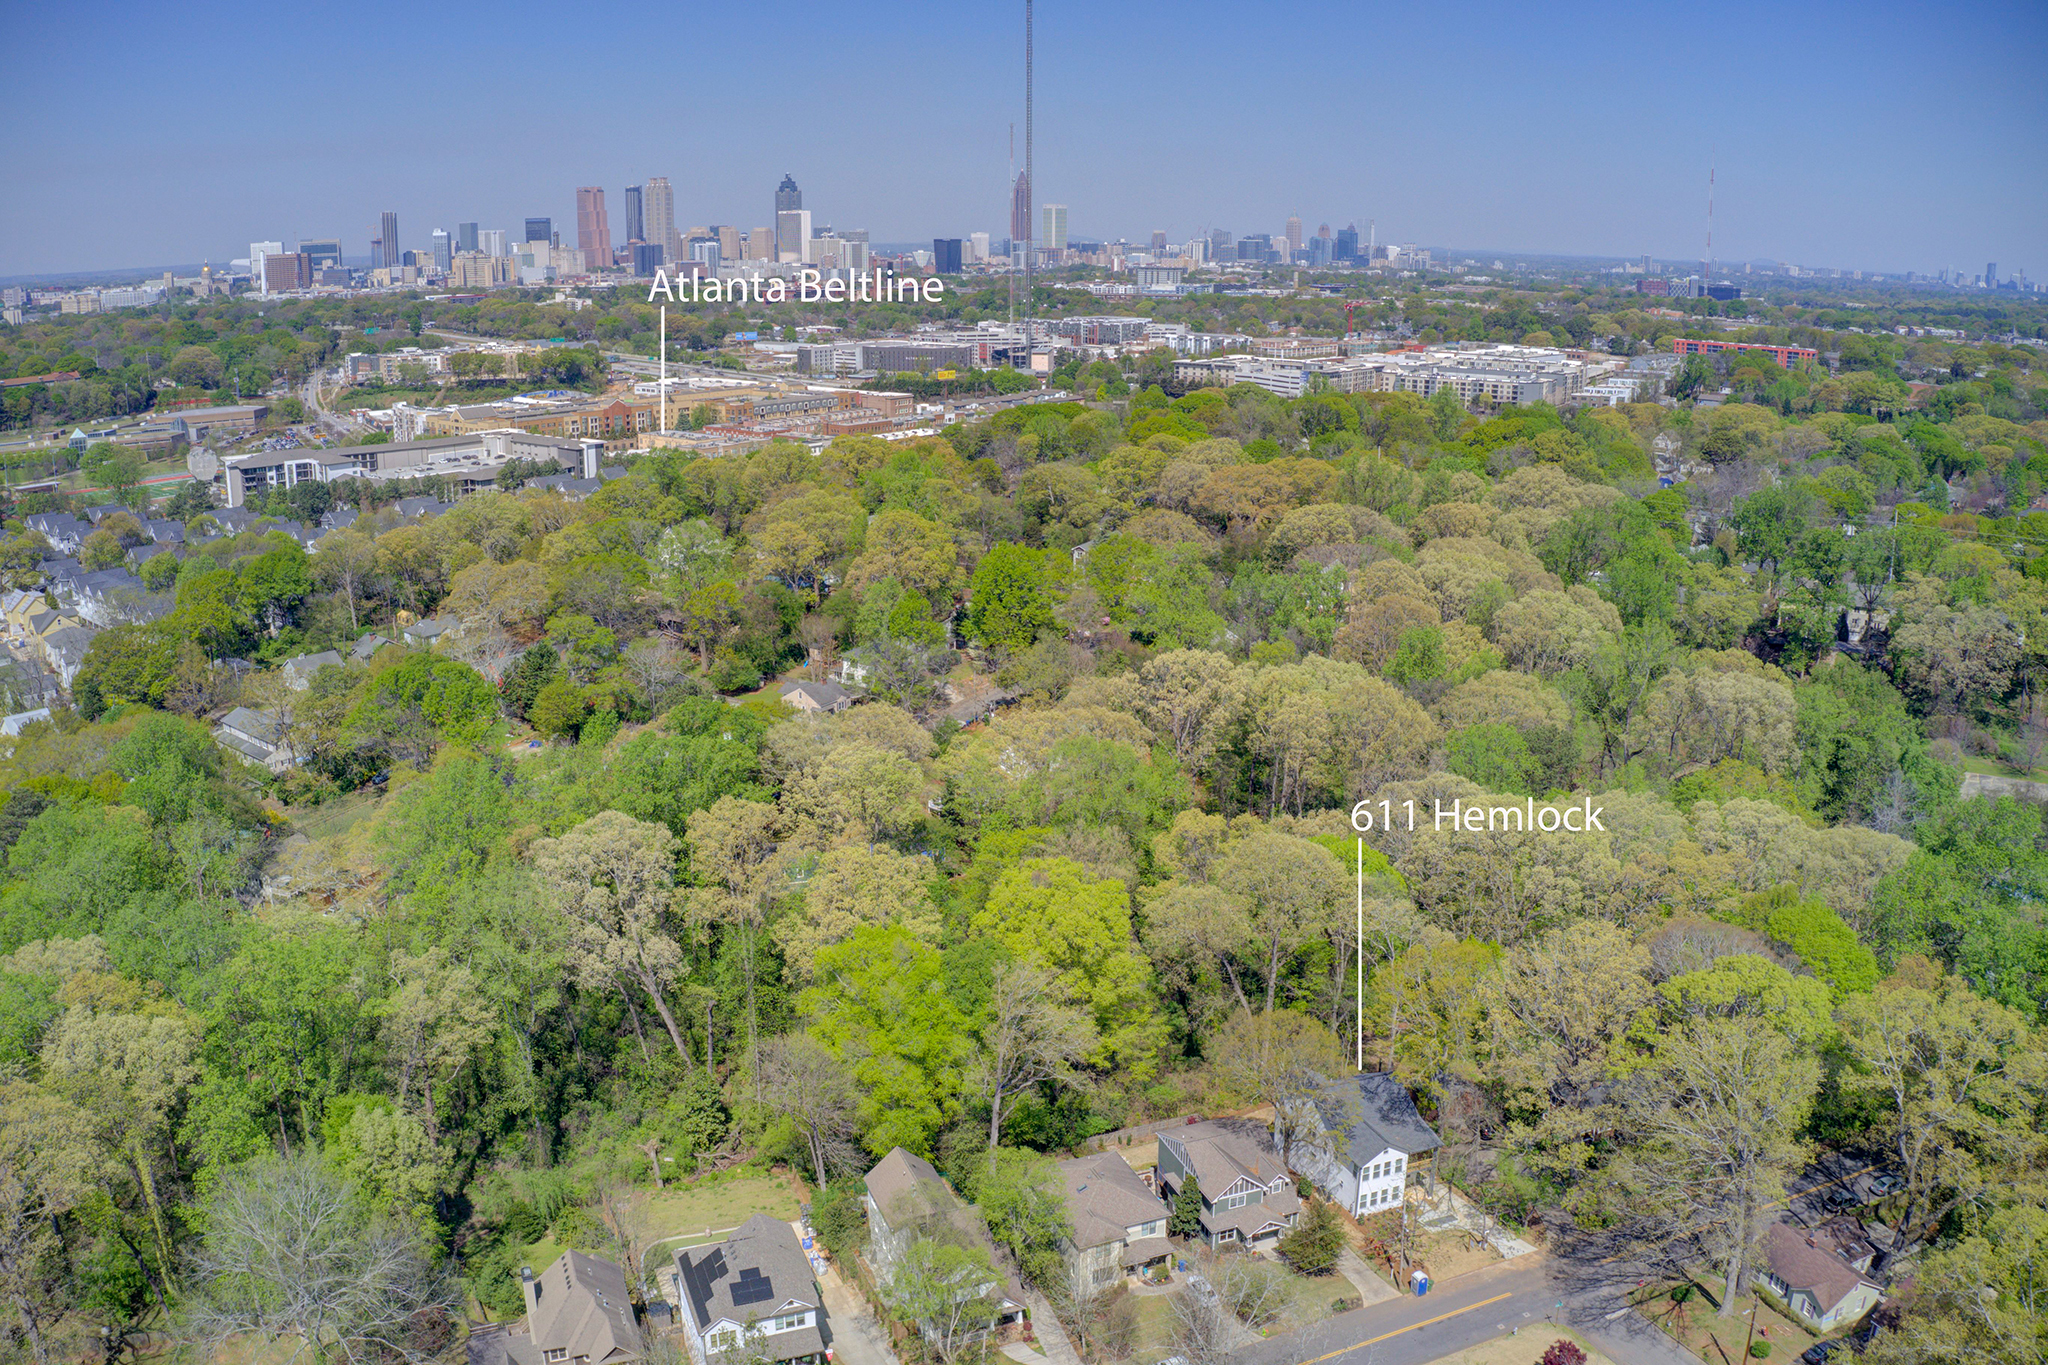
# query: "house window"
1105,1274
559,1353
792,1322
1400,1164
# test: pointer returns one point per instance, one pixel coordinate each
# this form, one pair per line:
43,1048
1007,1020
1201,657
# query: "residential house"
752,1294
64,650
233,520
425,633
1119,1225
1248,1195
299,669
569,486
1374,1143
363,649
64,531
578,1312
817,698
17,606
20,720
164,531
906,1196
420,509
338,518
1846,1236
255,737
1826,1292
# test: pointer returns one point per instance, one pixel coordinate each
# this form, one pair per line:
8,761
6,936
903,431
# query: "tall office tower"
539,229
376,252
1053,231
758,244
491,241
593,228
978,243
1991,275
1294,237
321,251
945,255
659,202
1646,262
444,255
465,236
1219,246
788,198
388,234
1324,232
792,232
1020,213
729,243
636,217
1347,245
1158,239
257,252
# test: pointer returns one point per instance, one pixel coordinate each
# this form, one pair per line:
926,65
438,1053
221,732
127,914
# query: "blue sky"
1878,136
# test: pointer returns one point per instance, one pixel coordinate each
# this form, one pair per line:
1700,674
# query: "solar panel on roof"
751,1287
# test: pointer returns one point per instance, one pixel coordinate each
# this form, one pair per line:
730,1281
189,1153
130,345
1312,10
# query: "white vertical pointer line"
661,383
1361,952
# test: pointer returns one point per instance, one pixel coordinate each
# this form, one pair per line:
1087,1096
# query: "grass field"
1520,1350
680,1215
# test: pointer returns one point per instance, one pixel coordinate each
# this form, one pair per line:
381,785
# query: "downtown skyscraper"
658,204
387,241
636,216
593,228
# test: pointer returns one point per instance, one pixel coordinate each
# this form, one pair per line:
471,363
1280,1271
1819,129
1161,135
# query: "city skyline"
1622,173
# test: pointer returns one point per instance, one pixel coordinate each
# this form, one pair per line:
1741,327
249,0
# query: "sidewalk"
1371,1288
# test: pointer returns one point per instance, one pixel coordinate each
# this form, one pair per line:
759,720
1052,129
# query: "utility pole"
1030,198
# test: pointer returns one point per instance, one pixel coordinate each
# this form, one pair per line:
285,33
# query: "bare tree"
1287,1059
291,1256
804,1082
1030,1037
613,879
1200,1330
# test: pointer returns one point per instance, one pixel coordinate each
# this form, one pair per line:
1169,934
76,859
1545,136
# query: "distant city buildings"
593,228
946,255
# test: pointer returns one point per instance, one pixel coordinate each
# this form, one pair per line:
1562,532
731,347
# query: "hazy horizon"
1833,129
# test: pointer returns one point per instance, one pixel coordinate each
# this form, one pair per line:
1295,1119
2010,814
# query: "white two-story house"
752,1294
907,1198
1374,1144
1248,1196
1119,1224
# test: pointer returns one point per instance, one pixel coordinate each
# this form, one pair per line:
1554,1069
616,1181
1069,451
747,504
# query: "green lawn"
680,1215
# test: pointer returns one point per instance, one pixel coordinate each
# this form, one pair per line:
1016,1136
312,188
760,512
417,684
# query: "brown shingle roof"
1803,1265
1106,1198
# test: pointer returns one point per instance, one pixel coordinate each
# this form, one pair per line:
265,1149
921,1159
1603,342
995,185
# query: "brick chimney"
530,1287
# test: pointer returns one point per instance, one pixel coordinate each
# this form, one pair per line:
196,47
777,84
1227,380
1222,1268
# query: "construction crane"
1349,305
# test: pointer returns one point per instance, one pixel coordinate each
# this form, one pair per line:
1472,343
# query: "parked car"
1821,1352
1839,1199
1885,1185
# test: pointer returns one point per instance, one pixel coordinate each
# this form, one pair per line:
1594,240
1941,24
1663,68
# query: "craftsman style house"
1248,1197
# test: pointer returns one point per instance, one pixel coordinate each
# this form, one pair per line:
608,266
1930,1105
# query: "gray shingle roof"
1106,1198
1386,1117
764,1256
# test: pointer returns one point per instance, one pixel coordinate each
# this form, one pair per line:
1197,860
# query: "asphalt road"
1525,1296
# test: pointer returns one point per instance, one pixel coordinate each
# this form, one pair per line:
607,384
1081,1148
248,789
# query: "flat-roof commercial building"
1786,356
471,462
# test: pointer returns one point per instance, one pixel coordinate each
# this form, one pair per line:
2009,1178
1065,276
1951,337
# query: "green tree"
1186,1218
1011,604
1313,1245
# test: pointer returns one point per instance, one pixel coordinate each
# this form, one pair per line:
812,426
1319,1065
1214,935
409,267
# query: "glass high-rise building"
1053,233
636,217
465,237
389,237
539,229
787,196
444,254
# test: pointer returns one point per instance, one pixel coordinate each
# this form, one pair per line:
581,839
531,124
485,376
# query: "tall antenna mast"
1707,263
1030,195
1010,186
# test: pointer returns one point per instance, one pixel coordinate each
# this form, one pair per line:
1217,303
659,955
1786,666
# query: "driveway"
857,1339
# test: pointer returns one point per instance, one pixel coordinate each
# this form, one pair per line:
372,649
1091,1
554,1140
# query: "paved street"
1519,1296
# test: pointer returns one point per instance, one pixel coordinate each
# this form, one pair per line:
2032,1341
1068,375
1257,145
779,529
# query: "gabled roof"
310,663
368,645
260,725
1223,1151
581,1305
900,1174
1384,1116
823,695
757,1272
1802,1265
1106,1198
